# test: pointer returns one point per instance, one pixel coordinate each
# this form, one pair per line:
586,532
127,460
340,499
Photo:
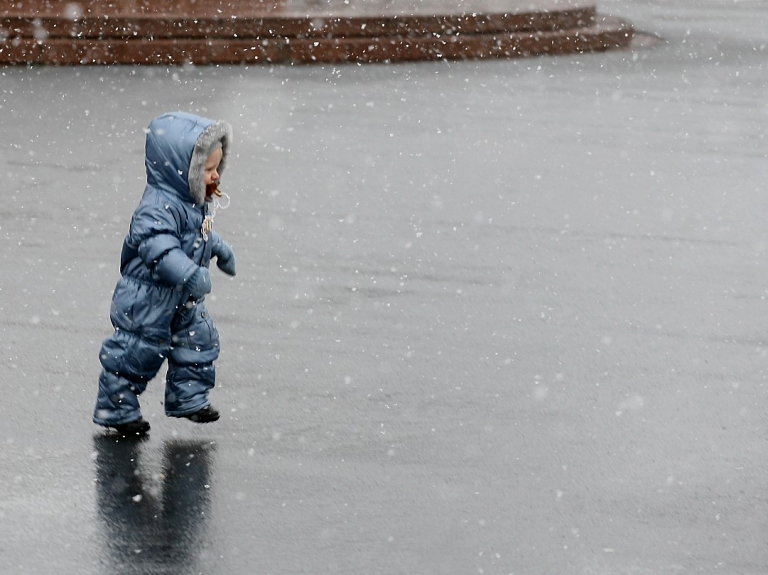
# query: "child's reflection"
154,523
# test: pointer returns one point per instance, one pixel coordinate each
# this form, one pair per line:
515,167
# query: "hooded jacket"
165,244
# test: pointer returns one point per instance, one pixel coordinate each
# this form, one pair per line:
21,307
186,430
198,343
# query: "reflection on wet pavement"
154,521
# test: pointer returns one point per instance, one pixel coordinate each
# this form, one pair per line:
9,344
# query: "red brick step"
299,31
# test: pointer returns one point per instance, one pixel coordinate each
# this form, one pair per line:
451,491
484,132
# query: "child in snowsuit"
158,308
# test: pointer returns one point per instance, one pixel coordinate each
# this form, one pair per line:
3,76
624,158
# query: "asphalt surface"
490,317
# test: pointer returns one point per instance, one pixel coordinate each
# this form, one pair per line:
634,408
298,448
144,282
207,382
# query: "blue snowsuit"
152,312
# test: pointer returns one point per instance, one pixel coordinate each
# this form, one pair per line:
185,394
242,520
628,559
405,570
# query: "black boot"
205,415
132,428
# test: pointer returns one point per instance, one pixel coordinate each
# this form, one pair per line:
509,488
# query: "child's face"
211,175
212,167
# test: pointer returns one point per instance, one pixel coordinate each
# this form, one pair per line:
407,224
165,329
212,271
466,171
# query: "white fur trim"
207,143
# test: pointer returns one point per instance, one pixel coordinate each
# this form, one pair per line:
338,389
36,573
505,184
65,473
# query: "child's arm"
155,231
225,257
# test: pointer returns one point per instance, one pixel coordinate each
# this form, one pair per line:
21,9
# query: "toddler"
158,306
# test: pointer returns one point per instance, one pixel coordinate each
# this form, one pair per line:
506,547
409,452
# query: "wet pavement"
489,317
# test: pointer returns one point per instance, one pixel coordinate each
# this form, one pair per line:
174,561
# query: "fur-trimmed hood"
178,145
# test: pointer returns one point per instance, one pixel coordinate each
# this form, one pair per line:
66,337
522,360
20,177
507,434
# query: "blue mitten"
199,283
225,259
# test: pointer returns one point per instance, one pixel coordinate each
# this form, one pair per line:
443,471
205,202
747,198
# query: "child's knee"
139,357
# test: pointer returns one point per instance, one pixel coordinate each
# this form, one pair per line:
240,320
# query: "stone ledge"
359,31
267,26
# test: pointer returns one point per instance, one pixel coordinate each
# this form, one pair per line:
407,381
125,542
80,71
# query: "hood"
178,144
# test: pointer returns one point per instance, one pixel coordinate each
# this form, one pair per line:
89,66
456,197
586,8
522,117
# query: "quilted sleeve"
215,240
156,232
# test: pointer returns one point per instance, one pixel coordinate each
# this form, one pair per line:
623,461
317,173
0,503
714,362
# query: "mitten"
199,283
225,259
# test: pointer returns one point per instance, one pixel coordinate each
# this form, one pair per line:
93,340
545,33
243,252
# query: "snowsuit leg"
118,399
141,315
191,373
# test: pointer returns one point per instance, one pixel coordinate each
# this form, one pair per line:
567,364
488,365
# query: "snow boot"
138,427
205,415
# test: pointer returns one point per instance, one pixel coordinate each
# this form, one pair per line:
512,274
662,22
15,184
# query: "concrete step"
299,31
